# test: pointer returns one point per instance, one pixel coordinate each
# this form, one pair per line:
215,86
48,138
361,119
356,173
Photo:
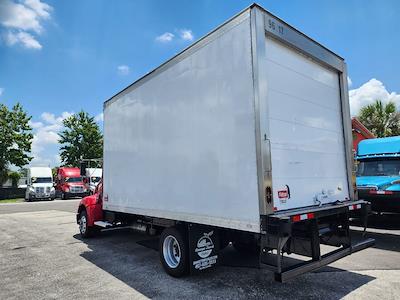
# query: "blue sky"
58,57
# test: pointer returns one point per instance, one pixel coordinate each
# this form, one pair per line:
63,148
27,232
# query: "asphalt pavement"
69,205
43,257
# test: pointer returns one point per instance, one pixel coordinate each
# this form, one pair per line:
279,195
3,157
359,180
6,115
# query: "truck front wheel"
85,230
174,253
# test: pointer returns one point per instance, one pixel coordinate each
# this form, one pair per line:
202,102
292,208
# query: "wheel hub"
171,251
82,224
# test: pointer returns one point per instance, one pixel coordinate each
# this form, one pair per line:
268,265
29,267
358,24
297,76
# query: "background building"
360,132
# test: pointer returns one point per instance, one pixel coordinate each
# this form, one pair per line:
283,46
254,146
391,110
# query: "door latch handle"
288,191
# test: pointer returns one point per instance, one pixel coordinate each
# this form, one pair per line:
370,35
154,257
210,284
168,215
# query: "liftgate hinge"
268,194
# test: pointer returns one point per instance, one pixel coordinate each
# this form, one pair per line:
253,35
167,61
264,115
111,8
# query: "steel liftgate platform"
303,232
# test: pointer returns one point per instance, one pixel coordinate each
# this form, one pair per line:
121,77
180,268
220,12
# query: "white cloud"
22,37
165,37
35,125
123,70
368,93
186,34
57,159
99,117
39,161
42,9
1,91
21,17
45,135
53,120
48,117
349,82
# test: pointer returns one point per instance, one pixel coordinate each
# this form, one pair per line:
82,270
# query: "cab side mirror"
99,196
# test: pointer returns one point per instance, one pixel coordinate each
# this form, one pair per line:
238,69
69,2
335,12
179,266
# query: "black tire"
64,196
182,264
85,230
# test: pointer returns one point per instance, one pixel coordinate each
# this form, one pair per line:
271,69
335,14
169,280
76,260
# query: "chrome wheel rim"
82,224
171,251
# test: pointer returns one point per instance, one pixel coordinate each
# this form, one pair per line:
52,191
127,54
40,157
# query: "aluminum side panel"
181,145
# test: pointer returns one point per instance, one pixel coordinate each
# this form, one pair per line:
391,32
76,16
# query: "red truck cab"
69,183
90,210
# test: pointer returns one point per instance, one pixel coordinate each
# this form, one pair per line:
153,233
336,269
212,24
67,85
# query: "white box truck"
243,137
39,184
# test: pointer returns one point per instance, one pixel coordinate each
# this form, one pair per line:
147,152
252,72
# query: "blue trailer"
378,173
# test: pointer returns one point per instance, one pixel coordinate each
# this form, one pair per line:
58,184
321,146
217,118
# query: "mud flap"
203,247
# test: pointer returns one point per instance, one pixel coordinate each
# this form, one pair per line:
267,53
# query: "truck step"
103,224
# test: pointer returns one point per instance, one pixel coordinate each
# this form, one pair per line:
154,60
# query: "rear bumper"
327,225
326,259
382,203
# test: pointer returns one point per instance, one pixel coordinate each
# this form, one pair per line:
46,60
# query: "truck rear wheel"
174,253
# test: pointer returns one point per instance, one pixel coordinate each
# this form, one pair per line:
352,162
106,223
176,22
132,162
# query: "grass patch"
11,200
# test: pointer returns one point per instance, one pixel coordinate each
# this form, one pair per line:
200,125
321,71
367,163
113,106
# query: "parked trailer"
243,137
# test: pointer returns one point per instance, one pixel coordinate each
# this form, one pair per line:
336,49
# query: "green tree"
81,138
15,139
381,119
15,177
54,172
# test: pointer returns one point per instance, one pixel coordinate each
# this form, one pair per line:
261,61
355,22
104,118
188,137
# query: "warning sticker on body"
283,195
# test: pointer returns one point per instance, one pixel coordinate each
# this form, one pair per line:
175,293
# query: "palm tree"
381,119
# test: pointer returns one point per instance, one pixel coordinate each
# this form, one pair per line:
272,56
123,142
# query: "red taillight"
354,206
302,217
377,192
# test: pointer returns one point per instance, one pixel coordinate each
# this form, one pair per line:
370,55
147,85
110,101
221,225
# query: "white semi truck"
93,177
39,184
243,137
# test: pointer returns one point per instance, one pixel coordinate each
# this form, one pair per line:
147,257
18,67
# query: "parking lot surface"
43,257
